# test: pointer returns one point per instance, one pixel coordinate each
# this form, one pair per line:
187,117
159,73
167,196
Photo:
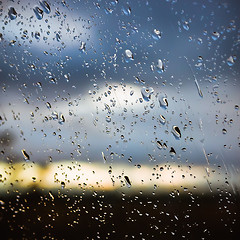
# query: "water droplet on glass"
45,6
224,131
231,60
215,36
163,101
62,185
104,158
128,55
176,132
146,93
172,152
186,25
61,119
82,47
162,119
37,35
160,66
128,183
156,34
108,119
48,105
12,13
26,156
38,12
159,144
58,37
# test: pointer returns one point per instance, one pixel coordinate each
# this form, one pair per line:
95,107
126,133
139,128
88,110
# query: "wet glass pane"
119,119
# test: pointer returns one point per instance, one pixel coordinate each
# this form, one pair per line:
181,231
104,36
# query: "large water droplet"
176,132
12,13
45,6
146,93
38,12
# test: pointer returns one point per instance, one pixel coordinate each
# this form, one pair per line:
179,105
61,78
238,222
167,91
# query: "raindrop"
231,60
128,55
108,119
186,25
126,178
45,6
104,158
127,11
172,152
163,101
162,119
146,93
26,156
160,66
156,34
176,132
82,47
61,119
58,37
215,36
224,131
12,13
62,185
48,105
38,12
159,144
37,35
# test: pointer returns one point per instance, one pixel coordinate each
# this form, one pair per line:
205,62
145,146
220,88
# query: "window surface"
119,119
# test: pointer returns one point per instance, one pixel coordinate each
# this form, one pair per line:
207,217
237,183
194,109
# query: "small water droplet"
156,34
126,10
12,13
159,144
82,46
62,185
61,119
163,101
128,55
26,156
176,132
45,6
224,131
186,25
160,66
37,35
108,119
146,93
48,105
58,37
127,180
38,12
162,119
231,60
172,152
215,36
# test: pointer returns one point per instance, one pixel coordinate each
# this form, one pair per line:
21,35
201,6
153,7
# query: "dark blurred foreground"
118,216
